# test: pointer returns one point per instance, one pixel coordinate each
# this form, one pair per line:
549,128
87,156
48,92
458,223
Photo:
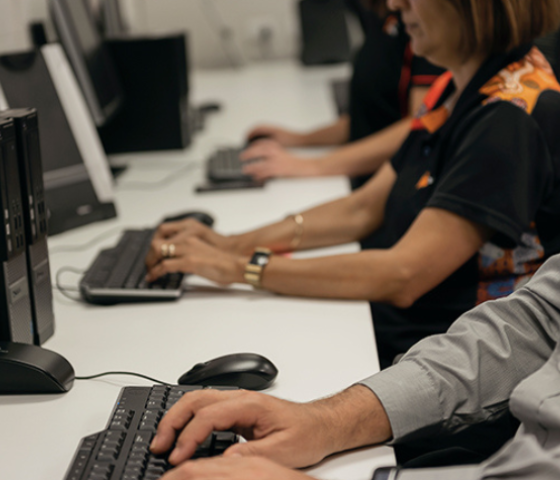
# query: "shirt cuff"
401,389
470,472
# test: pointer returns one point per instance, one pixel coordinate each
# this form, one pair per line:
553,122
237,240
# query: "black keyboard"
225,166
118,274
121,451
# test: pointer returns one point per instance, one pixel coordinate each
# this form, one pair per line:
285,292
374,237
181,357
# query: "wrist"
301,139
314,167
239,244
354,418
239,264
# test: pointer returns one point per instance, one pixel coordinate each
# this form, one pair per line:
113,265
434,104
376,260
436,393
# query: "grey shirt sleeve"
447,382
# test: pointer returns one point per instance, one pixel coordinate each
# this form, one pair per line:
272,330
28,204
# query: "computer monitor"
112,19
78,186
89,57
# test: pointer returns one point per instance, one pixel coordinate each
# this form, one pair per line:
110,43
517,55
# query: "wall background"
250,30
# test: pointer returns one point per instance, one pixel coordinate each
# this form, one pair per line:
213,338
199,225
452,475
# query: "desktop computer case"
15,302
325,36
155,115
35,219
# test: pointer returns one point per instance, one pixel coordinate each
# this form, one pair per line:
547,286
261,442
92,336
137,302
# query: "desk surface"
319,346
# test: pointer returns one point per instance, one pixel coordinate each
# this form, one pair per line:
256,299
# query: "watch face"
262,260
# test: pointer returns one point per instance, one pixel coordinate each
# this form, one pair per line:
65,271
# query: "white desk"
319,346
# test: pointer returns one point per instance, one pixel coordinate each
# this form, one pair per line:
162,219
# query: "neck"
463,73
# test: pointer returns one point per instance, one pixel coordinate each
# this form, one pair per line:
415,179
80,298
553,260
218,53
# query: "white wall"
242,25
243,22
15,17
11,18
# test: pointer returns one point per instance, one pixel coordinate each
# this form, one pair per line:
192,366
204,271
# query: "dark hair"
496,26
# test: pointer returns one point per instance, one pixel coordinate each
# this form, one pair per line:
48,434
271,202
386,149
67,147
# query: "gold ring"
164,250
171,250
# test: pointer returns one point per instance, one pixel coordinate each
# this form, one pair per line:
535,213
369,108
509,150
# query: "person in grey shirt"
505,352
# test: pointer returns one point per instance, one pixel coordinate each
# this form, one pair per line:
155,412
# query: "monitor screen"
26,81
112,19
89,57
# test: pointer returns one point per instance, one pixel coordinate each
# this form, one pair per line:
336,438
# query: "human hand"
294,435
192,254
188,227
284,137
233,468
274,161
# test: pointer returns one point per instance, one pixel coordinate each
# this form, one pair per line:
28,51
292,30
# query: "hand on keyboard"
193,255
189,227
292,434
121,451
286,138
275,161
253,468
179,232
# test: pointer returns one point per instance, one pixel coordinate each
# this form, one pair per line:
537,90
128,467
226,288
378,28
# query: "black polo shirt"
384,72
494,161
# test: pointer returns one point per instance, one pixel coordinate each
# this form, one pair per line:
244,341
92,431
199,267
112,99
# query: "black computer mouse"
255,138
202,217
244,370
26,369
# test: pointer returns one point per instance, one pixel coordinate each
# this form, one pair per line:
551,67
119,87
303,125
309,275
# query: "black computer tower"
35,220
16,323
324,32
154,75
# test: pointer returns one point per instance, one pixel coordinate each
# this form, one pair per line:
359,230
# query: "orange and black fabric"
495,160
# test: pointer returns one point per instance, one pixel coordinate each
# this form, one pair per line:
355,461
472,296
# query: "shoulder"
495,125
523,83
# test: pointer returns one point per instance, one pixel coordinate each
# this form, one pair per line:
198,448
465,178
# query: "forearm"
341,221
369,275
336,134
364,156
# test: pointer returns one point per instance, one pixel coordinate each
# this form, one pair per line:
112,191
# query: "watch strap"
255,266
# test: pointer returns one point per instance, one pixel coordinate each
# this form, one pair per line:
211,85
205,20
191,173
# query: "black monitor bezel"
70,39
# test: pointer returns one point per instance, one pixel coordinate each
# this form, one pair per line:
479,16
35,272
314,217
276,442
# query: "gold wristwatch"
254,269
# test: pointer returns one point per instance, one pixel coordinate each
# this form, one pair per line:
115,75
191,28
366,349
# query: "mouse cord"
168,179
91,377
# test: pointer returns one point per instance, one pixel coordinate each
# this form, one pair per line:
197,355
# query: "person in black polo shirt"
466,212
388,85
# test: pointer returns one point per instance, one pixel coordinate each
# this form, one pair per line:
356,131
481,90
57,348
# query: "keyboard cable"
65,290
167,180
132,374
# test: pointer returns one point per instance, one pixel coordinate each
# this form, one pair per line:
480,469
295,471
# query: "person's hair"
496,26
